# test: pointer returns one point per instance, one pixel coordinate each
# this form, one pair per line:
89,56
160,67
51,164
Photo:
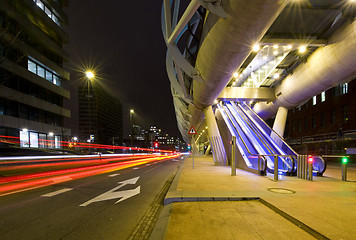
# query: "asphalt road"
88,208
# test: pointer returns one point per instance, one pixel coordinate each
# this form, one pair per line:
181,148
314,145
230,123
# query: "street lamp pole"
131,125
90,75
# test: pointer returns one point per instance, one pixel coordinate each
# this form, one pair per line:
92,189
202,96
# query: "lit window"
40,71
314,100
345,88
49,76
40,4
31,66
323,97
48,12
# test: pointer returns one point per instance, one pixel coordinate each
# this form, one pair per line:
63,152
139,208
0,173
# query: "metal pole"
191,144
233,156
310,166
344,172
305,157
275,168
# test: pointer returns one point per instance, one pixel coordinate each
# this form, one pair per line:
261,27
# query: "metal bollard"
298,166
275,168
233,156
344,168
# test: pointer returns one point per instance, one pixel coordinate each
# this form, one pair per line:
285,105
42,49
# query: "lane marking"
152,169
51,194
136,168
114,175
111,194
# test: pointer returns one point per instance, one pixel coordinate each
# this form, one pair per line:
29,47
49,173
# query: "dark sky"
124,42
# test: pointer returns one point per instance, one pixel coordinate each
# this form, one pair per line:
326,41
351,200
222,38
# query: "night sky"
124,42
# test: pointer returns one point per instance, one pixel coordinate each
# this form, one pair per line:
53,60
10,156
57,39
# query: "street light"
90,76
131,124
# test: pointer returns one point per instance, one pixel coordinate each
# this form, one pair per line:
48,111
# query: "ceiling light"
276,76
275,46
236,75
302,49
256,47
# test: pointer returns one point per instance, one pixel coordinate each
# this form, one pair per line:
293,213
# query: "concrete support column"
279,124
219,154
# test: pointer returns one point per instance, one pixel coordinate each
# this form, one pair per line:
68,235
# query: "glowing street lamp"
90,76
131,125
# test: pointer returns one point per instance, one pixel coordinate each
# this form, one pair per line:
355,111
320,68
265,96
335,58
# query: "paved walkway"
208,203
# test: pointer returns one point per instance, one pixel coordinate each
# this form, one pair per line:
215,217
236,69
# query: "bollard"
275,168
310,167
344,168
233,156
298,166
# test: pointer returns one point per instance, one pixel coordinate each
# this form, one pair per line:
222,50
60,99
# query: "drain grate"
281,190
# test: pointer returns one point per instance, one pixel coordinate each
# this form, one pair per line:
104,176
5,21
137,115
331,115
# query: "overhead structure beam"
247,94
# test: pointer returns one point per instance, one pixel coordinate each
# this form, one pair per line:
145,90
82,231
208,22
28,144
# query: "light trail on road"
13,184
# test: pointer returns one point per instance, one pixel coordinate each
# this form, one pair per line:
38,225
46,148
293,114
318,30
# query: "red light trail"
12,184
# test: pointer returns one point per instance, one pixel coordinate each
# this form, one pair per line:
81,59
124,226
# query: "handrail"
257,132
282,139
223,112
253,128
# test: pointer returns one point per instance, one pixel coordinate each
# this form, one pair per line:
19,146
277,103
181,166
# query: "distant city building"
138,133
31,73
100,115
326,124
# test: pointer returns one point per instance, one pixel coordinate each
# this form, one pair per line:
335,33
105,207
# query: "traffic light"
156,144
188,146
345,160
310,159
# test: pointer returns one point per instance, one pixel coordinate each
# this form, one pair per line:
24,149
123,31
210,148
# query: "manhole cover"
281,190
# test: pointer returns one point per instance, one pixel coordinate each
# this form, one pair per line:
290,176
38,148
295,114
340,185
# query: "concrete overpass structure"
276,54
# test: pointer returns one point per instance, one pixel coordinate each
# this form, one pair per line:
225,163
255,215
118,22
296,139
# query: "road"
105,206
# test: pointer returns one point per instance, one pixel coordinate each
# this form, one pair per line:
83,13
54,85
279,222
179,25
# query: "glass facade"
48,11
29,139
43,72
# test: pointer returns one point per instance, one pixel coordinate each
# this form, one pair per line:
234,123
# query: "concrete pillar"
216,142
279,124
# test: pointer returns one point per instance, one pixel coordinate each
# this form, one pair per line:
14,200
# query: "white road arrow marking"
111,194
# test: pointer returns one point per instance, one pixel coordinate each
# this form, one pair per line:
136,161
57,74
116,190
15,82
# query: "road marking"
136,168
111,194
51,194
114,175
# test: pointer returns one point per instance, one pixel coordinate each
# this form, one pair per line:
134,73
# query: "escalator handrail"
252,154
296,154
253,128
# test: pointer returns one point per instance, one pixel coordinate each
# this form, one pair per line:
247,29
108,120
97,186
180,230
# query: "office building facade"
100,115
31,73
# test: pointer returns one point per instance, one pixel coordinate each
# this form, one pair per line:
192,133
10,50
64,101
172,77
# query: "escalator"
259,146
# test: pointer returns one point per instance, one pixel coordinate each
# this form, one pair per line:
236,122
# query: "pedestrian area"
206,202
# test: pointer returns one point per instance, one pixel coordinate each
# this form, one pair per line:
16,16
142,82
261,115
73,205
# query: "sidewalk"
208,203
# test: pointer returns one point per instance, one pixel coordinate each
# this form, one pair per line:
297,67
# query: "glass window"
323,97
48,12
42,140
40,4
345,88
56,80
49,76
314,100
33,140
55,19
31,66
40,71
24,139
57,141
